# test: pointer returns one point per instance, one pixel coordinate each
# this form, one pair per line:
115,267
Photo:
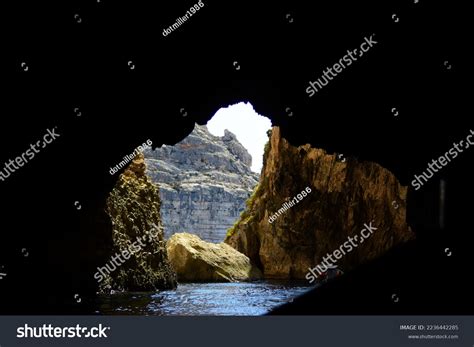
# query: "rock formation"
204,182
198,261
344,195
134,208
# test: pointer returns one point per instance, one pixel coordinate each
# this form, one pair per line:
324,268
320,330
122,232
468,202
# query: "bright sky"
249,127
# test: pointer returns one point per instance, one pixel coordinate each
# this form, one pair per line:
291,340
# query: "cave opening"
205,179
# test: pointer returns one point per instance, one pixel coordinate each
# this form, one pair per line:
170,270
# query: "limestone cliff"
204,182
134,208
344,195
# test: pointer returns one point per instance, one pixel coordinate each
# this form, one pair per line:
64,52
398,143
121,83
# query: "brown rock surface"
344,196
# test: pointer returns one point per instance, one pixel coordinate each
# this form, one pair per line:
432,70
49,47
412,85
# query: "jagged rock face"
198,261
204,182
344,196
134,208
236,148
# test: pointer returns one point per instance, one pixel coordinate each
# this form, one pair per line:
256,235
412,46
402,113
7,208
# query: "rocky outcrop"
198,261
344,195
134,208
204,182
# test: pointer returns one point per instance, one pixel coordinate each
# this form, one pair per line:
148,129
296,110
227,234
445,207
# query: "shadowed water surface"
192,299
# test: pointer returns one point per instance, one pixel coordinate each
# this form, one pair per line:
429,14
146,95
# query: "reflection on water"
228,299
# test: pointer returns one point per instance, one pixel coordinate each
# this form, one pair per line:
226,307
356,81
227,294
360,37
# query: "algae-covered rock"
134,208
